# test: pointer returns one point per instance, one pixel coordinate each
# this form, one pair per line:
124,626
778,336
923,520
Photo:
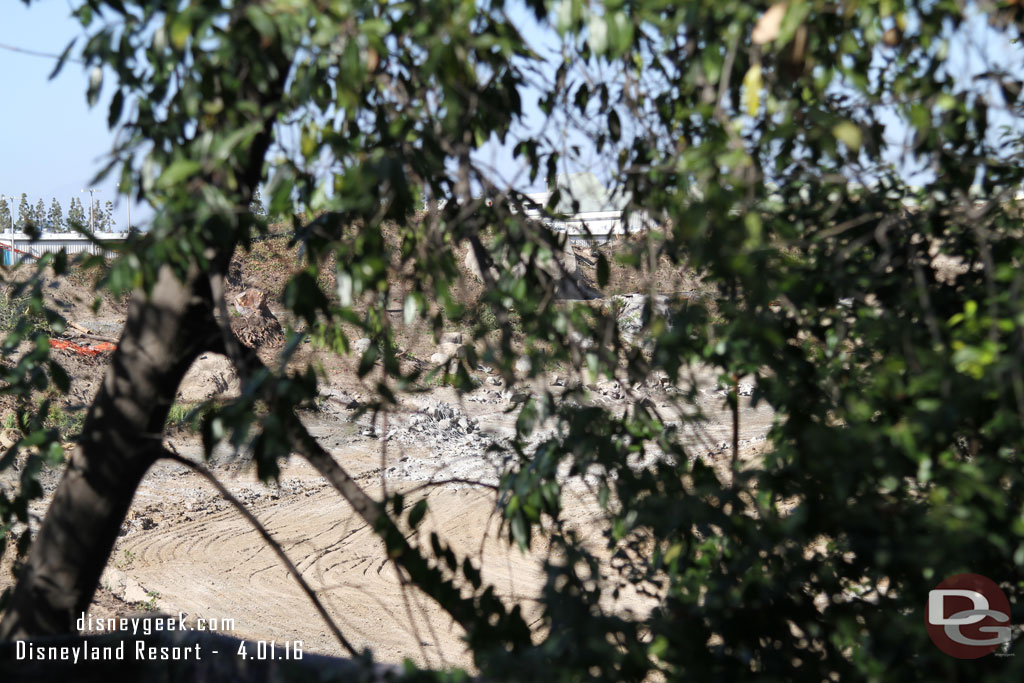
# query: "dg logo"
968,616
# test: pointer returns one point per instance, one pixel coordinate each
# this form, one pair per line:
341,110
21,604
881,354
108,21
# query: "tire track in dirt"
218,567
208,561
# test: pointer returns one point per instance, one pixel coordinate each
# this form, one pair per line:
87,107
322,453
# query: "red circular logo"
968,616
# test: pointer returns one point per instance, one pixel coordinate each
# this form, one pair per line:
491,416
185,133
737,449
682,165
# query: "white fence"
17,247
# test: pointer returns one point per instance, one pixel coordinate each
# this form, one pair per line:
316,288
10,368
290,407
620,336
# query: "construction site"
185,550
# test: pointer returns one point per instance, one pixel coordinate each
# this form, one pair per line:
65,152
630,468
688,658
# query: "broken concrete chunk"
453,350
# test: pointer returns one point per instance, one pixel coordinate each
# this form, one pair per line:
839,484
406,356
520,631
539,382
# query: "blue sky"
52,144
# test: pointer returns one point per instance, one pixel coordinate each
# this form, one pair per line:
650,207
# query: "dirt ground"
184,549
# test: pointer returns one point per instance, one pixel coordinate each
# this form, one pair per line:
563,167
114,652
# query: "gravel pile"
456,447
438,420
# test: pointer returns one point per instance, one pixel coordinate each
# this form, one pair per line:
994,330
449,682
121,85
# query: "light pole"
92,212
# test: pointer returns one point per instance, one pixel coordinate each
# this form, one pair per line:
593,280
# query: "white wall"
72,244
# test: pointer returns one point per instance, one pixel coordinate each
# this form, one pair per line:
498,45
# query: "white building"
599,215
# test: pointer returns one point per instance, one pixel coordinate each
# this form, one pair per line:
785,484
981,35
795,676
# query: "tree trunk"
163,334
120,439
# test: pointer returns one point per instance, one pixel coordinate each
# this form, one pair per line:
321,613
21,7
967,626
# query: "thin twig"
36,53
735,401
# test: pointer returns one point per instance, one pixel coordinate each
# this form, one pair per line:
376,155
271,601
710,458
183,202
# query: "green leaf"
116,104
62,59
597,34
849,134
614,125
181,30
261,21
521,531
177,172
620,33
60,377
417,513
659,647
752,89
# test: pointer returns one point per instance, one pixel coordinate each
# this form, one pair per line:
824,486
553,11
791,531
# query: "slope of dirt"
270,262
73,295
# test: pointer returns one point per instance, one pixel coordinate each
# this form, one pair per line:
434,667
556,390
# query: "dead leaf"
892,37
767,27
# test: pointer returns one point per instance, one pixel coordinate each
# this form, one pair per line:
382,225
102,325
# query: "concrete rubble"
254,323
211,376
